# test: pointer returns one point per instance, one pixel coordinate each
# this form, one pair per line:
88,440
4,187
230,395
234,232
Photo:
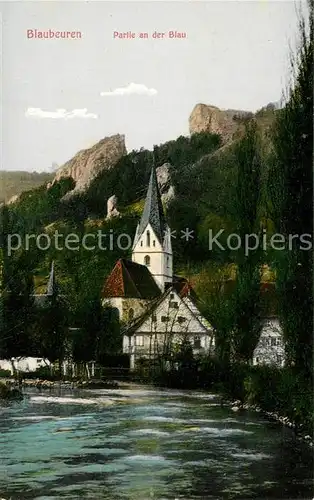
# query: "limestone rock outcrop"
163,178
13,199
208,118
88,163
112,210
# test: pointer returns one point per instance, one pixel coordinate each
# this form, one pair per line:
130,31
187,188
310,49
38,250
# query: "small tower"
152,242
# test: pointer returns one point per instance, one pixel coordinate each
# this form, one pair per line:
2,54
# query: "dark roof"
130,280
153,213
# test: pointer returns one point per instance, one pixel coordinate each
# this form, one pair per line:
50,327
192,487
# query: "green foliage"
42,373
17,307
246,299
39,207
109,341
284,391
291,188
129,178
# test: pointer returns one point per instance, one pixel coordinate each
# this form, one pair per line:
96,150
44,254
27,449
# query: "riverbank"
8,393
282,394
57,384
301,434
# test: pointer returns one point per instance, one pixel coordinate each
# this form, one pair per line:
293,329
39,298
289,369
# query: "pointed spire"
52,285
153,212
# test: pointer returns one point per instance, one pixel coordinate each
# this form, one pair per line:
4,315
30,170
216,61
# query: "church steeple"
153,212
152,242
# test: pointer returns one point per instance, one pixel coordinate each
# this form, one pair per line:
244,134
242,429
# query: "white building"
156,307
270,349
23,364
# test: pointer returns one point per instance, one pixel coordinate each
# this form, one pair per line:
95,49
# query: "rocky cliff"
208,118
164,182
88,163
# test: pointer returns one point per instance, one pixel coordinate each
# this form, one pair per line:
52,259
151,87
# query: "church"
157,309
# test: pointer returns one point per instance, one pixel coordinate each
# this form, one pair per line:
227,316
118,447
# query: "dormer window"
147,260
147,238
174,304
197,342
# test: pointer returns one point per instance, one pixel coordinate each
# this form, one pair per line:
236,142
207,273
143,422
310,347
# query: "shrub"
9,394
43,373
5,373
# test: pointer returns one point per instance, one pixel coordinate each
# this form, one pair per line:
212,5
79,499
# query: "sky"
63,95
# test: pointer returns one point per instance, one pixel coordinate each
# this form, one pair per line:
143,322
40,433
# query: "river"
145,443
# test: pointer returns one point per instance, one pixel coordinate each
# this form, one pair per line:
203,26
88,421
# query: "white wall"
160,256
152,334
174,315
25,364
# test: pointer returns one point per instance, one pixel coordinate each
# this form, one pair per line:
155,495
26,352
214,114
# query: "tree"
291,190
109,337
246,298
54,327
216,305
17,302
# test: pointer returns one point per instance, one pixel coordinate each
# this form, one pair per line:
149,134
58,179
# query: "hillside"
13,183
200,171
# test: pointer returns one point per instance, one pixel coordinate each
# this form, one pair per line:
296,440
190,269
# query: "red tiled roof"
182,286
130,280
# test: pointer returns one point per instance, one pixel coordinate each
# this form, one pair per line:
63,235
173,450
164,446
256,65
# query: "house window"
257,360
131,314
273,342
181,319
164,319
139,340
154,318
147,260
197,342
141,243
174,305
172,296
148,238
154,243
